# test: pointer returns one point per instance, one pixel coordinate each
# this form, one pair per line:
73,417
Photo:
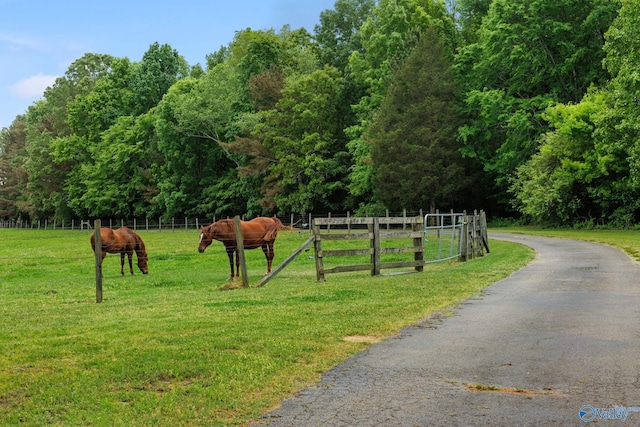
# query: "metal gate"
442,236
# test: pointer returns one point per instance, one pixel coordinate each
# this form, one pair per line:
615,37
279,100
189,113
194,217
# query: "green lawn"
171,349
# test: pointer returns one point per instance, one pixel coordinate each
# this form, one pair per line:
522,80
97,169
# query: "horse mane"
229,229
139,244
222,230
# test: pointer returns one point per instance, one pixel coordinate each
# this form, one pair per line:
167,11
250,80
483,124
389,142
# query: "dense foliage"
525,109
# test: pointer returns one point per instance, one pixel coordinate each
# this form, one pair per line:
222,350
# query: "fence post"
98,245
463,237
317,246
240,251
483,230
478,249
404,222
375,245
418,241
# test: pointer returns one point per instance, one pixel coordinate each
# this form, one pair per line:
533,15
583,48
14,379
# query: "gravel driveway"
556,343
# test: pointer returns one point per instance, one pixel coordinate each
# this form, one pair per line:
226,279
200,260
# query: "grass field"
171,349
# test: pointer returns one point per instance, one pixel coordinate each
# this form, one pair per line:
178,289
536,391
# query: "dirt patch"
509,390
232,285
370,339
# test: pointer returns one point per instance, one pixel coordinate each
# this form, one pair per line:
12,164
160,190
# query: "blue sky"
39,39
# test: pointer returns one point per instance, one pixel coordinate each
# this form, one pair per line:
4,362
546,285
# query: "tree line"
525,109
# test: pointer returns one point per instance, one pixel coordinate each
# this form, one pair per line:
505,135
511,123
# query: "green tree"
118,182
416,161
160,67
112,147
387,36
470,14
92,113
337,34
79,79
622,56
256,54
576,175
48,123
44,194
296,53
529,56
305,167
13,177
338,37
195,120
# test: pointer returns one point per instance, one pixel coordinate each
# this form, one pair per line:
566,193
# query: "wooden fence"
455,235
473,236
396,227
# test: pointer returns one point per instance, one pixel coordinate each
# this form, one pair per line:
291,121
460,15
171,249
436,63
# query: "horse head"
222,231
206,237
142,264
142,257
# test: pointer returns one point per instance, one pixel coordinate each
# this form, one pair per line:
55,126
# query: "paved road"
558,335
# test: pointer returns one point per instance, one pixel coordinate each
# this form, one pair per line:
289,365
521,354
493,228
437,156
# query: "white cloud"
34,86
17,43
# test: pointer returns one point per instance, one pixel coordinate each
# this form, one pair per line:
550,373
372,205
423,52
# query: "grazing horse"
122,241
260,232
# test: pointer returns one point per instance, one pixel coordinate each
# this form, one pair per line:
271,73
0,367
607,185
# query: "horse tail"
280,225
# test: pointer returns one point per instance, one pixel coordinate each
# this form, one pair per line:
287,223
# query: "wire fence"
440,242
297,221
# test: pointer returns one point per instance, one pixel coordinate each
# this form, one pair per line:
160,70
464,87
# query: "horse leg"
104,254
122,263
230,255
130,255
271,255
237,264
267,248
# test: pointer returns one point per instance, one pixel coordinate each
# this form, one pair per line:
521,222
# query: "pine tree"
415,159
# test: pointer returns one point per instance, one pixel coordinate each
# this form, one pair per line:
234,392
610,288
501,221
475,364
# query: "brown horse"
122,241
260,232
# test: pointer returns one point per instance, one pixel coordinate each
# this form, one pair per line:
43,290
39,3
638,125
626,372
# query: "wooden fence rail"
374,235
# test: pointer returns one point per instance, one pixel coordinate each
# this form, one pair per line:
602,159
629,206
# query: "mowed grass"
171,349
